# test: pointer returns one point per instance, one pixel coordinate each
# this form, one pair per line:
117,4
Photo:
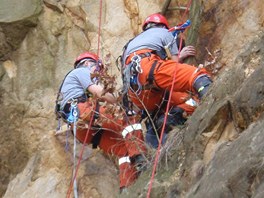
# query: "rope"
80,157
76,168
182,19
99,28
74,160
165,120
73,117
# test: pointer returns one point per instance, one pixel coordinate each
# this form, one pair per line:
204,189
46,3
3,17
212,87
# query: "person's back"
75,84
155,39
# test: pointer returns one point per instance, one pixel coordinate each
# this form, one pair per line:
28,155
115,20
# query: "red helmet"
155,18
86,55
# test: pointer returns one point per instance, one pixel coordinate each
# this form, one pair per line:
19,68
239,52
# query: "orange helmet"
155,18
87,55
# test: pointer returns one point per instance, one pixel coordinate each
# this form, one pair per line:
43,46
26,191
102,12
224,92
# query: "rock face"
218,154
15,22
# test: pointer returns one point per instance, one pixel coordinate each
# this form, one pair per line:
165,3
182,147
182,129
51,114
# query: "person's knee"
201,85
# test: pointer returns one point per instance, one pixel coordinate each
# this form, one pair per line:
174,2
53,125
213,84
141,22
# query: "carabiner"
136,58
74,102
139,69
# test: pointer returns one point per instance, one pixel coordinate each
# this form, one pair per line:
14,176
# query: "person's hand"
98,91
186,52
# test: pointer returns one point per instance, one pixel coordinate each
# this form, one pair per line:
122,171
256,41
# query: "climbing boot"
123,190
140,163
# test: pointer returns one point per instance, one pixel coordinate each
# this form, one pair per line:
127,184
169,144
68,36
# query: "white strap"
131,128
124,160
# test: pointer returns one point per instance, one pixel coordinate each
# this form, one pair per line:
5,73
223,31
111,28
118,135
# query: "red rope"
165,120
91,120
99,28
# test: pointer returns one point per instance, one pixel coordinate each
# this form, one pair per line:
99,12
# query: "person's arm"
98,91
175,57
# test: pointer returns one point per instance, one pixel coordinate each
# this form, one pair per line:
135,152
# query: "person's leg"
127,172
128,128
186,101
83,133
147,100
201,85
132,133
112,143
186,77
151,137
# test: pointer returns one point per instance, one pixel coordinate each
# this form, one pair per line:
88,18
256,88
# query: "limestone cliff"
219,153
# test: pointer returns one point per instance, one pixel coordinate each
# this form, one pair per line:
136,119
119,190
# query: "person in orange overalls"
148,73
115,135
145,59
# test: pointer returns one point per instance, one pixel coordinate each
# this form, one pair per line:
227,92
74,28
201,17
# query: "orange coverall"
163,78
149,100
120,137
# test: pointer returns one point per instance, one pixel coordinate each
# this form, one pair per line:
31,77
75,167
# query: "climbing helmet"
155,18
88,55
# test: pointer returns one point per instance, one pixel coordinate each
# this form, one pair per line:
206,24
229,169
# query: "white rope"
74,161
74,120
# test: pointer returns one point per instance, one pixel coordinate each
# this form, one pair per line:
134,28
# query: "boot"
139,162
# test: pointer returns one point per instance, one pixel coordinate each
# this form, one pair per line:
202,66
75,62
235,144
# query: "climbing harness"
73,115
130,79
136,63
135,69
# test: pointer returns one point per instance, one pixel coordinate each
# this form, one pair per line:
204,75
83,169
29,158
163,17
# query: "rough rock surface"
219,153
